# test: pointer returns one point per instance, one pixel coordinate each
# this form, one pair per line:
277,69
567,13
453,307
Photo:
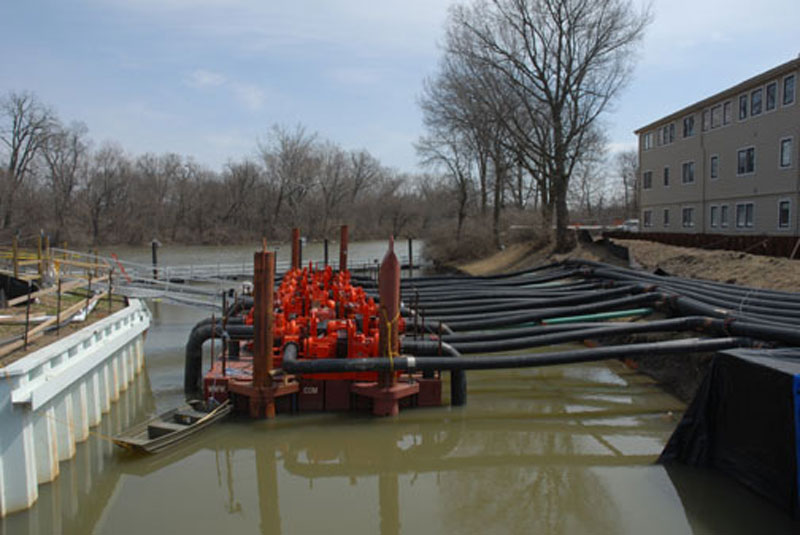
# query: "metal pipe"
343,248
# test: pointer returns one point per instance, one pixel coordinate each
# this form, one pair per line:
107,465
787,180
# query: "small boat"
171,427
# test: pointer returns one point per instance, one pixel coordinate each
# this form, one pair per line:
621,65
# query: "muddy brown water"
566,449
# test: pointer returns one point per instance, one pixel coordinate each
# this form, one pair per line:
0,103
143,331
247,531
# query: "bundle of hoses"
554,304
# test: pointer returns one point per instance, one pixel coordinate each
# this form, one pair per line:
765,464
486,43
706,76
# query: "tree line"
55,179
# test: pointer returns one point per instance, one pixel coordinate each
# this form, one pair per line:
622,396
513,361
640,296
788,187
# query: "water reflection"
556,450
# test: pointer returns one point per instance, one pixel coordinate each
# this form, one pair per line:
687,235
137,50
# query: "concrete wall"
50,398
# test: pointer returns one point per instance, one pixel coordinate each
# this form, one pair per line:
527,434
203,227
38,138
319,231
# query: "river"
566,449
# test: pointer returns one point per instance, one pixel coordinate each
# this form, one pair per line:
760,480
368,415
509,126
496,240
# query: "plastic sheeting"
745,421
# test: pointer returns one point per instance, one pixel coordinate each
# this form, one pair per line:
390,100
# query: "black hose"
528,360
538,315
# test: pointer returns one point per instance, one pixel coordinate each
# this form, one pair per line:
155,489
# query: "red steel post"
343,249
262,326
269,339
389,312
295,248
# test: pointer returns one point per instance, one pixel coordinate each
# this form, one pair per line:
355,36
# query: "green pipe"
599,316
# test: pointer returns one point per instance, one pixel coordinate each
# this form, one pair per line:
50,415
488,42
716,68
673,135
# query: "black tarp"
14,287
744,421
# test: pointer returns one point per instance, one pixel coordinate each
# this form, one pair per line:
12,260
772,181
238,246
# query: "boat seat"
158,429
188,416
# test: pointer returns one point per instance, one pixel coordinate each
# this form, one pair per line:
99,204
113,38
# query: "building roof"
732,91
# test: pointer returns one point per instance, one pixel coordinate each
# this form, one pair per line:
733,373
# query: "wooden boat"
171,427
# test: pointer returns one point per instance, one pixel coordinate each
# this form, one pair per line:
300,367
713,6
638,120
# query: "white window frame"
691,218
743,115
788,226
647,218
647,141
724,210
790,139
745,226
760,91
666,174
711,174
713,211
794,90
692,124
644,181
774,107
689,163
718,109
745,149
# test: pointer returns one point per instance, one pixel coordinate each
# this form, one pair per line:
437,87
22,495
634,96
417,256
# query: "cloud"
249,95
203,78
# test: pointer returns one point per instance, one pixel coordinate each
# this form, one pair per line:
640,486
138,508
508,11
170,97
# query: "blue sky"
207,78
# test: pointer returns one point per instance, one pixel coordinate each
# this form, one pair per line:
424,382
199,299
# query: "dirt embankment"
723,266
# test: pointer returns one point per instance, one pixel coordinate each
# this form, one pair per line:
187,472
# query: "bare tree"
627,164
446,149
289,159
106,188
563,61
65,154
365,171
25,125
241,181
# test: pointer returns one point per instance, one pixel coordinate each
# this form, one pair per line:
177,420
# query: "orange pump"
327,317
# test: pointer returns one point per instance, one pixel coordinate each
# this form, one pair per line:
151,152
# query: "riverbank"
721,266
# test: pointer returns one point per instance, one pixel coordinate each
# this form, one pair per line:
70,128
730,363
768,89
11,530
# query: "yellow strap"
389,341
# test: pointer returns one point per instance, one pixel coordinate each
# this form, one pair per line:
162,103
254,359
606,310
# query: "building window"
714,167
755,102
723,216
743,107
648,141
688,126
784,213
746,161
716,116
687,174
706,120
772,96
687,217
647,179
745,213
788,90
726,113
647,217
667,134
666,176
666,217
786,152
714,216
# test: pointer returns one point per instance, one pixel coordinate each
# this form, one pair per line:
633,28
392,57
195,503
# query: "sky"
208,78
